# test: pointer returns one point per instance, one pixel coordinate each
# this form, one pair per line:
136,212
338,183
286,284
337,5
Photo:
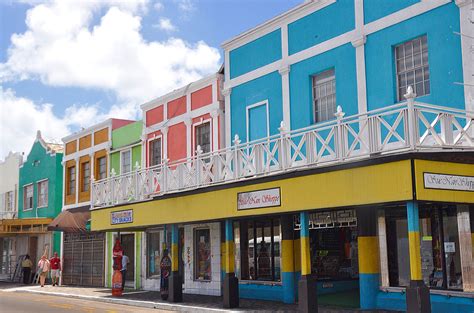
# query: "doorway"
128,245
33,249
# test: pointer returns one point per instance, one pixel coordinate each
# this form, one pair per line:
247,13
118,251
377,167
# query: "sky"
68,64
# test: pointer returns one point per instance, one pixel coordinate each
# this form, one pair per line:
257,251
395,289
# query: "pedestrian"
26,265
43,269
55,268
125,261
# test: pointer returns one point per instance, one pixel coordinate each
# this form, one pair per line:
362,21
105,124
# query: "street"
28,302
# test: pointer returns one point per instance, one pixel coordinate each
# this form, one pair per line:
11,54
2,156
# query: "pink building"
180,121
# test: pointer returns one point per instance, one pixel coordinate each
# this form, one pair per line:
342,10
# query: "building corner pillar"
417,293
287,262
231,282
175,280
369,258
307,285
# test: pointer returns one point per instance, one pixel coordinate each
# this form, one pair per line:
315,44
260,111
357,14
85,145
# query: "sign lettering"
258,199
121,217
448,182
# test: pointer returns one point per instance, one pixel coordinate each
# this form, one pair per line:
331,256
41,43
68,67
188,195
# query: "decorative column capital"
215,114
462,3
226,91
359,41
164,130
284,70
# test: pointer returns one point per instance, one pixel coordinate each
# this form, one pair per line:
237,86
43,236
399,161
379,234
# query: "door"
33,249
257,121
128,246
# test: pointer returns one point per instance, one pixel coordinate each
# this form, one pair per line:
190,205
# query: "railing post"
447,128
412,129
339,134
198,165
285,154
236,157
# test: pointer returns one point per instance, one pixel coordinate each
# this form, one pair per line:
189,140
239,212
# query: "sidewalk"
151,299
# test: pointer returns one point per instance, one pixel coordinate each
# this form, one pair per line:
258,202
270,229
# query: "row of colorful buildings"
331,155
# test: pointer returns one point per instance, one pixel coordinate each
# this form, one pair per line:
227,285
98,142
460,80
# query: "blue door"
257,122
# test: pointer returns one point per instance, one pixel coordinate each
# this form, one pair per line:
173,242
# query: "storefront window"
439,247
154,253
202,254
258,249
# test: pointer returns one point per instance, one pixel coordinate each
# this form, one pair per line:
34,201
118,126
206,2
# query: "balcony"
406,127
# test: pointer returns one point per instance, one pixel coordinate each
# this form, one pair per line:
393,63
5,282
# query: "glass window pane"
202,254
153,254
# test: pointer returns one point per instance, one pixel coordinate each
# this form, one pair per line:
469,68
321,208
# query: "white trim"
200,123
88,151
287,17
37,193
227,128
466,8
130,146
252,106
121,159
285,80
188,124
147,155
33,196
88,131
215,116
353,35
75,205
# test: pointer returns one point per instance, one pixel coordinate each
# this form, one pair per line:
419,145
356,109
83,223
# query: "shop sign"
259,199
121,217
449,247
448,182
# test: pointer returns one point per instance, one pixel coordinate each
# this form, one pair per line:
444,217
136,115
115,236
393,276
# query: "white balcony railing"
409,126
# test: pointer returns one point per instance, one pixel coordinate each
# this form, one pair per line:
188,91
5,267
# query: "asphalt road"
15,302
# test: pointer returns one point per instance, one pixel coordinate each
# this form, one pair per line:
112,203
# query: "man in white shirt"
125,261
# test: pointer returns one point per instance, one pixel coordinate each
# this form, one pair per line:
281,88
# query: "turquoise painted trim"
444,58
313,28
229,230
289,286
439,303
255,54
267,87
413,219
304,221
174,234
376,9
369,288
261,292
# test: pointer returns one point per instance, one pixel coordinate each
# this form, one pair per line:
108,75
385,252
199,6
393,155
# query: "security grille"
329,219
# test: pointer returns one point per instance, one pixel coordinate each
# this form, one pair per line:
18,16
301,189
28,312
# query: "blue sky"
66,64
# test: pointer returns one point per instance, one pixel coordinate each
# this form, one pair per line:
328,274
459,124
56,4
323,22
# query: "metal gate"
83,258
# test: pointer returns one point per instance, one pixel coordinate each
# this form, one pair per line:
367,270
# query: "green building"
40,191
125,159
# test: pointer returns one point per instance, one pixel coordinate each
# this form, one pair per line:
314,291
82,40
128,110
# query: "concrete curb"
137,303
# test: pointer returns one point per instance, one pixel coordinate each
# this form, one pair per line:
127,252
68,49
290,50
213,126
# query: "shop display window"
202,254
257,249
154,251
439,247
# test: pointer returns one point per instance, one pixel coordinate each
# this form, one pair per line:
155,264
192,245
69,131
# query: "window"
258,249
203,137
71,180
43,194
411,59
202,254
154,253
439,247
101,168
155,152
324,96
10,201
28,197
86,176
126,161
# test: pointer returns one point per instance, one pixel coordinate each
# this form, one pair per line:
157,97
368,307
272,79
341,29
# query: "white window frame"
149,140
7,201
247,115
38,194
323,81
122,158
195,125
98,167
32,195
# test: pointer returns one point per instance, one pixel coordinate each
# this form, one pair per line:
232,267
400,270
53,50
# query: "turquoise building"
40,198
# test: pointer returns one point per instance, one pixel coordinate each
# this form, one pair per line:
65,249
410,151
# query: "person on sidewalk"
125,261
55,268
26,266
43,269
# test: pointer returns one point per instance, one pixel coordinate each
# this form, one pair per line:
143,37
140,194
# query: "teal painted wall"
267,87
255,54
40,165
444,58
342,59
375,9
314,28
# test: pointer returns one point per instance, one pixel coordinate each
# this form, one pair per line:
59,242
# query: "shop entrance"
128,245
334,257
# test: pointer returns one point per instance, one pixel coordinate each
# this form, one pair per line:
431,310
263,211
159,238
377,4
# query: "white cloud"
158,6
61,47
186,5
165,24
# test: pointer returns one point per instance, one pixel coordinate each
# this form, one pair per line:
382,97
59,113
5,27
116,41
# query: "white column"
382,234
188,122
164,133
466,15
226,93
285,91
77,166
358,44
215,130
465,248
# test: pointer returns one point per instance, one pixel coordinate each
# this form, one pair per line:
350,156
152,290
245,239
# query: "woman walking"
43,268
